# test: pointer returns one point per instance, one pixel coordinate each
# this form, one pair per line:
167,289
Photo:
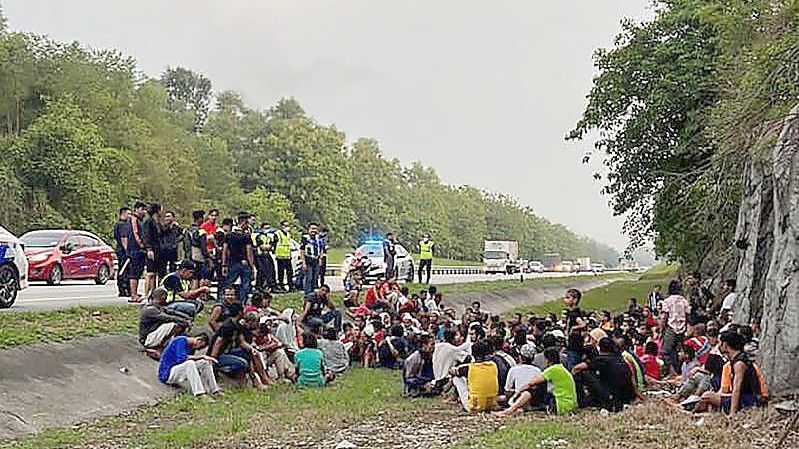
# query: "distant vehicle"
628,265
373,249
57,254
567,266
584,264
535,266
13,268
552,262
501,256
598,268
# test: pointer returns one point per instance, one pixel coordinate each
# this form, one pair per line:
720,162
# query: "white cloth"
445,356
287,332
432,306
199,374
519,375
463,391
729,302
278,358
159,336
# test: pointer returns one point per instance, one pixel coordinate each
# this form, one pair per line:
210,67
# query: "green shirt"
562,387
309,365
639,375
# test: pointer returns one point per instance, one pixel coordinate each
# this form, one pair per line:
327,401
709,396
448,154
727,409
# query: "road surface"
40,296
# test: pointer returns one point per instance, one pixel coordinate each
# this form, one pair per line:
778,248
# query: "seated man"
315,303
393,349
522,374
310,363
272,352
477,383
559,383
607,377
180,295
375,296
236,356
179,365
221,311
336,358
417,372
157,324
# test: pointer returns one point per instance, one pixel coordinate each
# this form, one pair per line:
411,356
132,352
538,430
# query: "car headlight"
41,257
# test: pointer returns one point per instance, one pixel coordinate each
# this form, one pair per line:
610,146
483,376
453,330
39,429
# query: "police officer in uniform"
310,253
425,256
323,255
389,254
283,256
262,243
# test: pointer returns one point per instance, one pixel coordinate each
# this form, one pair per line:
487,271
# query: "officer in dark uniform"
389,254
121,233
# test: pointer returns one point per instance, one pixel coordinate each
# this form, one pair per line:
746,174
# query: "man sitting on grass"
560,384
236,356
477,383
180,295
310,363
179,365
157,324
417,373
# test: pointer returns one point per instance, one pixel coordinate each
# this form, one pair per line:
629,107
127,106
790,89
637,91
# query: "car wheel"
103,274
56,275
9,288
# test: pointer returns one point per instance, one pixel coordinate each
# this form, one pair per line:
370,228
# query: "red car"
55,255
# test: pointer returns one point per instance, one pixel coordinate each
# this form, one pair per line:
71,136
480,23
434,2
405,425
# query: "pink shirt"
678,309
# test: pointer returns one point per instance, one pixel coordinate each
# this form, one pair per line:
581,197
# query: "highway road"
40,296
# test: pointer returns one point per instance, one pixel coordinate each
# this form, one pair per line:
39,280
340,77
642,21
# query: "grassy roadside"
24,328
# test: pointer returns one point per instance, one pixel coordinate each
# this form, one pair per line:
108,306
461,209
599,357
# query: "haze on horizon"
484,93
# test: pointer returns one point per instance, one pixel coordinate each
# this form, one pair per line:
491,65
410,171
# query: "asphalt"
40,296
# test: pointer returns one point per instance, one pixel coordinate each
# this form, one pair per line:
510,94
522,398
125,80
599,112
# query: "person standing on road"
283,255
150,232
136,252
323,255
170,235
121,233
238,258
195,248
425,256
310,252
389,255
262,242
210,228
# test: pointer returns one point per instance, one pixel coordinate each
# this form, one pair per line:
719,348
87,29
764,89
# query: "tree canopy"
83,132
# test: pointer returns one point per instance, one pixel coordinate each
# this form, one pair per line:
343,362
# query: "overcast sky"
482,91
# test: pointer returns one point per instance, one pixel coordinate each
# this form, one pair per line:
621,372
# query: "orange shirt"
726,380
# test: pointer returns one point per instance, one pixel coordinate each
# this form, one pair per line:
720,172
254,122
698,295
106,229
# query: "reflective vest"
172,296
283,247
426,250
260,243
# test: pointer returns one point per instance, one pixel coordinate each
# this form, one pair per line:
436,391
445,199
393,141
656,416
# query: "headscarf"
287,332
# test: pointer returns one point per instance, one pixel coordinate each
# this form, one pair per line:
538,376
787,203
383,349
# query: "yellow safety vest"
426,250
283,248
172,296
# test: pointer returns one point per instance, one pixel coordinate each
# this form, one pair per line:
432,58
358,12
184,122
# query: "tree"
189,90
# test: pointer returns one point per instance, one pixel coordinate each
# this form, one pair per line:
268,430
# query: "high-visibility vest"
426,250
172,296
283,247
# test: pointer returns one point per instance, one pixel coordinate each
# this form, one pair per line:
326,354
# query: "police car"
373,249
13,268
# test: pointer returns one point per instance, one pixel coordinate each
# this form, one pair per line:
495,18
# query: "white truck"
584,264
501,256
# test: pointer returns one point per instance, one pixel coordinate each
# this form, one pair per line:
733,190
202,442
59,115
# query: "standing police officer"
389,254
283,255
310,254
121,233
425,256
323,256
262,242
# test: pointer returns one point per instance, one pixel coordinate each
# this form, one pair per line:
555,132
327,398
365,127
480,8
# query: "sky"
482,91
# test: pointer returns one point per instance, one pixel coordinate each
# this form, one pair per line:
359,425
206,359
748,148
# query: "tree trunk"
780,322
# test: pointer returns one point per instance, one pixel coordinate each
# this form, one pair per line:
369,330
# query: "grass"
356,396
533,434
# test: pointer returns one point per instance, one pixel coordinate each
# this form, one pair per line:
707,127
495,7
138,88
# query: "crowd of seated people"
685,341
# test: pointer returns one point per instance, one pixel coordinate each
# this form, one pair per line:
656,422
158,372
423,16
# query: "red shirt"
651,366
372,296
702,347
210,231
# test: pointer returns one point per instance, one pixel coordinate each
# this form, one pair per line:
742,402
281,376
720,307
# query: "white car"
13,268
598,268
373,249
535,266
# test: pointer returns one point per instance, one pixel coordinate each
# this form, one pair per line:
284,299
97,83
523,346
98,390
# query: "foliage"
682,103
83,132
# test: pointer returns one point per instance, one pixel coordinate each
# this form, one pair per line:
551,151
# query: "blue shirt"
175,353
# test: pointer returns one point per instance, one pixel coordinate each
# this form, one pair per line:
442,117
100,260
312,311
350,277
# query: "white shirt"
729,302
519,375
432,306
